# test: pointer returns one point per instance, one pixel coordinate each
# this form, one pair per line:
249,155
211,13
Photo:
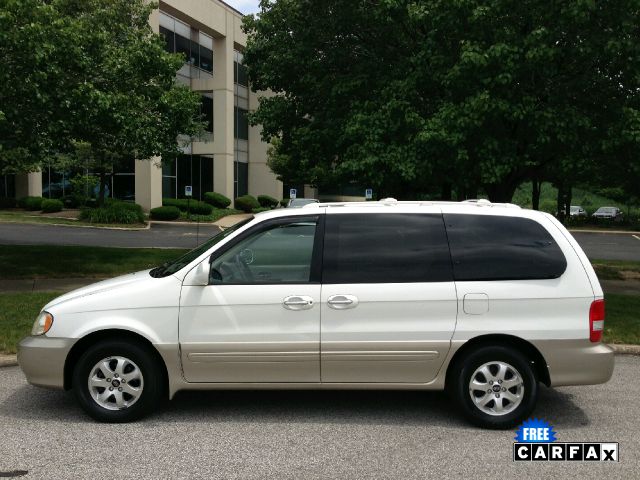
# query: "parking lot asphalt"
309,435
160,235
607,246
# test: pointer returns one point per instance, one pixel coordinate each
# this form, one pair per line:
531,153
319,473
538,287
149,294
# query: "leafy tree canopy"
408,96
88,73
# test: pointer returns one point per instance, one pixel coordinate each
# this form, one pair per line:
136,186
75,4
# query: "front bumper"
42,359
577,362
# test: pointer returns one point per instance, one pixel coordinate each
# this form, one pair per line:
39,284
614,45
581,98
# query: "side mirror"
200,275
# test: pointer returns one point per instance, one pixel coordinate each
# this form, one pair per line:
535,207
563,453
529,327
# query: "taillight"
596,320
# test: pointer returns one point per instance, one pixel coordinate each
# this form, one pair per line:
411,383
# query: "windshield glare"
170,268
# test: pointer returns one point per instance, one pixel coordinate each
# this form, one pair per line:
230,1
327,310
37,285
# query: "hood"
99,287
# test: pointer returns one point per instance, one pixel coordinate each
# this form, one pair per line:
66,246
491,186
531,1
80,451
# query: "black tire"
153,390
460,377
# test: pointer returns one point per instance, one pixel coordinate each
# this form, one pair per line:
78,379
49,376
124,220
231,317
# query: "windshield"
575,209
170,268
606,210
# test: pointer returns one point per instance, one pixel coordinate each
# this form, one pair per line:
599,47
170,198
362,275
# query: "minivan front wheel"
495,387
117,381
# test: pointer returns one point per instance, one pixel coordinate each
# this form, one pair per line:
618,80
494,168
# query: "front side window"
281,253
385,248
491,247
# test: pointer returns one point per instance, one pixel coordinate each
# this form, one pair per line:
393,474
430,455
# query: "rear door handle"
342,302
297,302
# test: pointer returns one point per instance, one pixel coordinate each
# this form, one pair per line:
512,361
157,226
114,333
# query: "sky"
245,6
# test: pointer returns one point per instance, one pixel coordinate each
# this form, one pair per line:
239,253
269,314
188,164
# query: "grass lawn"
215,215
34,217
26,261
617,269
18,312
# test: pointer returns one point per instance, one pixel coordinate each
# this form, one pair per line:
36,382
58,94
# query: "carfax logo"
535,440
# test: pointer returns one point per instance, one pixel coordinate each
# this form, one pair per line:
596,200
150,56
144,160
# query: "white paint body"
394,336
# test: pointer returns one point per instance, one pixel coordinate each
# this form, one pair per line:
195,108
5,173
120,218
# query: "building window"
206,108
193,170
195,46
7,186
240,179
241,123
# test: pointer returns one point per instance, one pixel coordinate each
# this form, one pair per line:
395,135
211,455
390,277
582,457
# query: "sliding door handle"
342,302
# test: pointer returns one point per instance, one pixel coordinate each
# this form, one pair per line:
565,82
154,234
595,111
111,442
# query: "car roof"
480,207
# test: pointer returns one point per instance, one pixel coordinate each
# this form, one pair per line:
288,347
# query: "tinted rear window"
488,247
385,248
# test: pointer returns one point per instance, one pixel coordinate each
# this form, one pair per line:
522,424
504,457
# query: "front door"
259,318
388,297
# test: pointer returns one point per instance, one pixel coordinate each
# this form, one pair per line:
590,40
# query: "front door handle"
342,302
298,302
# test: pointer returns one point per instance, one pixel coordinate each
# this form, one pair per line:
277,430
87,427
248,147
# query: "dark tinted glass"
169,37
206,59
385,248
241,124
241,177
183,45
488,247
207,112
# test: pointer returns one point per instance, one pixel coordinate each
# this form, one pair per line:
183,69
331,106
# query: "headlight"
42,324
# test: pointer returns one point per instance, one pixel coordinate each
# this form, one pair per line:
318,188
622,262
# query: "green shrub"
114,212
165,213
200,208
246,203
31,203
284,202
71,201
7,202
217,200
51,205
267,202
193,206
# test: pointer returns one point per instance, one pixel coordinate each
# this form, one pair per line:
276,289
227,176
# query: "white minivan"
482,300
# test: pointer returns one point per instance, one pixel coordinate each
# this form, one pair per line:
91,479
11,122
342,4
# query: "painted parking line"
636,237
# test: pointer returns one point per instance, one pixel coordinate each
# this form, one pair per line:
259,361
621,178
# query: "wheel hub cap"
115,383
496,388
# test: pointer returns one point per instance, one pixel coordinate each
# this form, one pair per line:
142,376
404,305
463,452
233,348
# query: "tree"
34,42
113,82
416,96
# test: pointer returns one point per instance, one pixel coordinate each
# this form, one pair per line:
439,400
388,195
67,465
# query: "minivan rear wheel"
117,381
495,387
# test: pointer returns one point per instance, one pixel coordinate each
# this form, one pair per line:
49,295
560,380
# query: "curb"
621,349
8,361
12,360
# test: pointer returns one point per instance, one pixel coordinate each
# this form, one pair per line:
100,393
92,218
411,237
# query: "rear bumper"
577,362
42,359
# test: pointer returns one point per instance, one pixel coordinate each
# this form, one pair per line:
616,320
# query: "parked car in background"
301,202
577,211
612,213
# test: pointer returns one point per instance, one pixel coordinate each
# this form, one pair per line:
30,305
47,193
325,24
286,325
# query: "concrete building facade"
229,158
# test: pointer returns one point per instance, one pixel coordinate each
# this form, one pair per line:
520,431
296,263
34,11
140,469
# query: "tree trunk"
446,192
560,201
103,184
535,193
501,192
567,201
